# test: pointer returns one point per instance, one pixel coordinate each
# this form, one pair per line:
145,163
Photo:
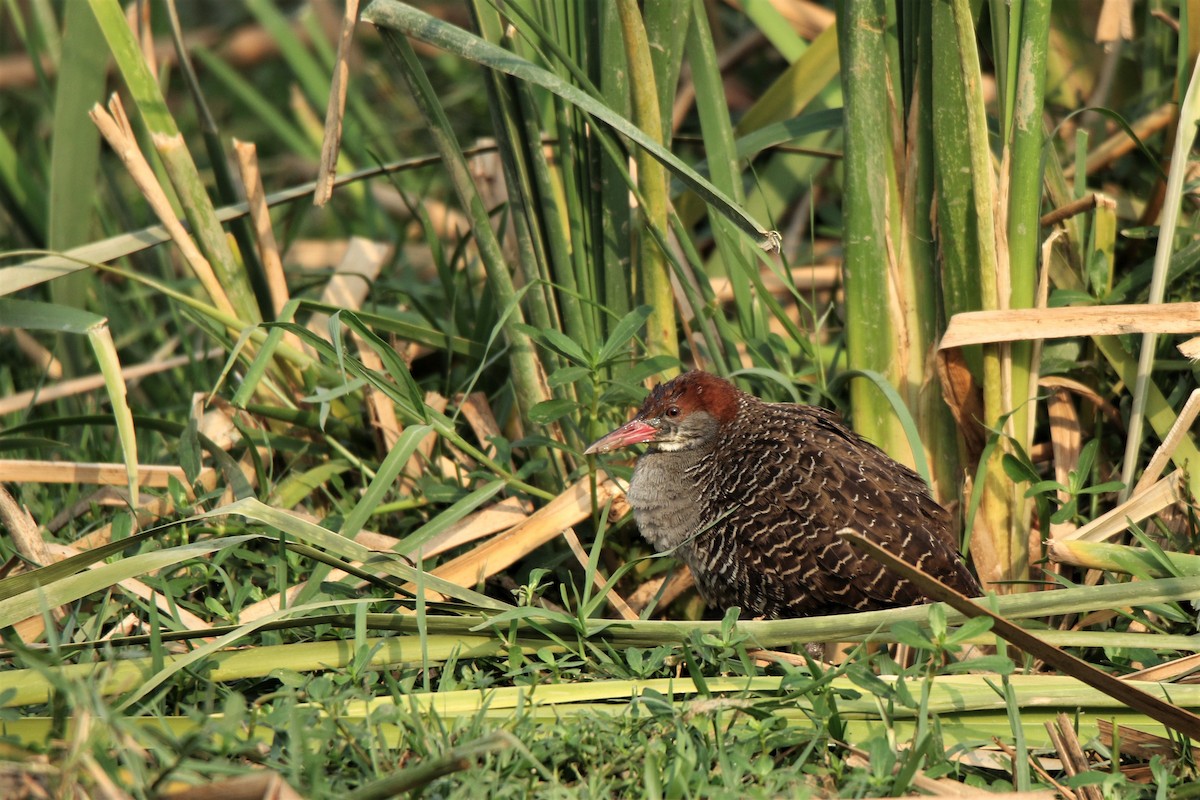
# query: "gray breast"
665,499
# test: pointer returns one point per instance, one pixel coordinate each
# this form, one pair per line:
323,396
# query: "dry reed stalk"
765,658
41,358
1151,495
569,508
316,254
424,452
1167,671
115,128
1066,439
107,474
104,786
269,605
351,281
260,217
1035,763
1021,324
23,529
817,277
678,582
1041,298
478,414
29,543
939,787
261,785
1115,23
1073,208
1179,429
1140,744
349,286
88,383
807,18
138,17
1160,495
506,514
336,109
1086,392
1074,761
447,222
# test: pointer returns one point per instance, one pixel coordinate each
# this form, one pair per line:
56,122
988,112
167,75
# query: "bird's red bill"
633,432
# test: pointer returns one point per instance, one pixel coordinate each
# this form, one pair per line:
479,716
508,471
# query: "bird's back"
774,491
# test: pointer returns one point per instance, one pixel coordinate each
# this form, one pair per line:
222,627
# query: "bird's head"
682,414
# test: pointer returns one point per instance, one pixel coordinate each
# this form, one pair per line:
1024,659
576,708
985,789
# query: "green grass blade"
317,536
31,315
385,478
75,148
34,601
526,371
392,15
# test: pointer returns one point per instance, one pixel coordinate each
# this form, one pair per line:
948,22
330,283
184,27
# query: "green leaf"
622,333
75,147
903,416
798,127
970,629
1044,487
550,410
31,315
1018,471
567,375
392,362
1066,512
908,633
1087,455
564,345
992,663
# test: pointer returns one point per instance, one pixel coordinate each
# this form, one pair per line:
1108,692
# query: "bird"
751,496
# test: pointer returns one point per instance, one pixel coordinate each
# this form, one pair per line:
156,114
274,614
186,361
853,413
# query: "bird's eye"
672,411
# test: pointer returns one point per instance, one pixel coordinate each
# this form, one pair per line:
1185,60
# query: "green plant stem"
870,173
661,335
1189,116
1007,543
102,343
1025,191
